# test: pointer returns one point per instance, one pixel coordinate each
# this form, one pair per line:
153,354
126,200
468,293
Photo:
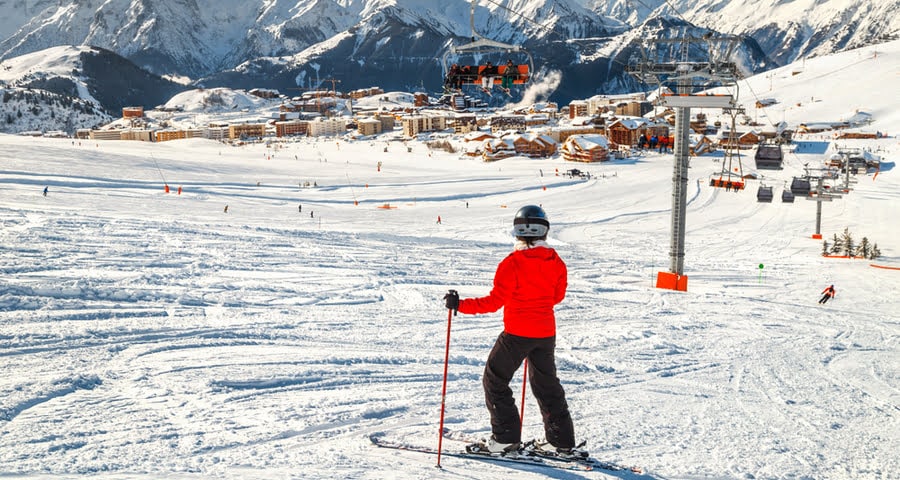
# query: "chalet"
497,149
627,130
477,136
562,133
532,145
474,141
701,144
743,140
586,148
765,102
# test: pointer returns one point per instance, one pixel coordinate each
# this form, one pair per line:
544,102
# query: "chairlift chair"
727,181
485,47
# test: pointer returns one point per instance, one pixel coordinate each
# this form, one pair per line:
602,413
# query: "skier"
527,285
487,77
827,294
46,189
439,220
510,74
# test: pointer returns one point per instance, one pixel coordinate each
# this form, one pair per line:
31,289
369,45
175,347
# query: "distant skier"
226,208
827,294
46,189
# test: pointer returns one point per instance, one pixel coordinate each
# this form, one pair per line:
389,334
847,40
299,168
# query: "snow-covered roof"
589,141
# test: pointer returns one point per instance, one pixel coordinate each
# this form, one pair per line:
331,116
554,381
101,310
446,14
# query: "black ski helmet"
530,221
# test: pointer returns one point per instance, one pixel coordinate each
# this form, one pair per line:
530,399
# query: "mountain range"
292,45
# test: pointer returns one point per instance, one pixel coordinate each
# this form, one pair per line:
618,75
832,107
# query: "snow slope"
150,335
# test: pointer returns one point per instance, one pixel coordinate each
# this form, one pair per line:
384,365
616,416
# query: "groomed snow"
146,335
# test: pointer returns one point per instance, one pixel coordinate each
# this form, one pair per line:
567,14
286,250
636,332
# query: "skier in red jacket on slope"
827,294
528,283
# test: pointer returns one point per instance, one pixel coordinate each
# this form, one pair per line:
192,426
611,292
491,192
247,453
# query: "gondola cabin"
768,157
800,186
787,196
764,194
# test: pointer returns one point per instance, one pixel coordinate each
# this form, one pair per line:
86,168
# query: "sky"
153,335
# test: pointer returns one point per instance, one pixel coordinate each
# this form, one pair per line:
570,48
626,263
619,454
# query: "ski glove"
451,300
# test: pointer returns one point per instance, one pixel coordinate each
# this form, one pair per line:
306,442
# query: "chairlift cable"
158,169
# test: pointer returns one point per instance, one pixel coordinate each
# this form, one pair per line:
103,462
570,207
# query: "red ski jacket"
528,283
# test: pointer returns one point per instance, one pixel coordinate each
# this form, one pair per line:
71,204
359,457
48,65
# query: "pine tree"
864,248
825,248
836,246
847,239
875,253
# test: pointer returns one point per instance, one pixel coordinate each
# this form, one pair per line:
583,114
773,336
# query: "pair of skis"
504,90
530,455
533,455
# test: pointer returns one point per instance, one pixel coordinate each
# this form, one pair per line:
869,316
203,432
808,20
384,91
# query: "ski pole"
524,382
444,388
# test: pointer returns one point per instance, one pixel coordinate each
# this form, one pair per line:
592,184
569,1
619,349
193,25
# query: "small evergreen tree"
875,253
836,246
847,239
864,248
825,248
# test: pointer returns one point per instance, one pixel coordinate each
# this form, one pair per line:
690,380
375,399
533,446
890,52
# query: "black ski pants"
505,358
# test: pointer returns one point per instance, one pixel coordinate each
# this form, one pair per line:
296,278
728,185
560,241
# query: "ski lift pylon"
482,46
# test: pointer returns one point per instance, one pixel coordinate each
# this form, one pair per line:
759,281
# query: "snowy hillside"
147,335
787,31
